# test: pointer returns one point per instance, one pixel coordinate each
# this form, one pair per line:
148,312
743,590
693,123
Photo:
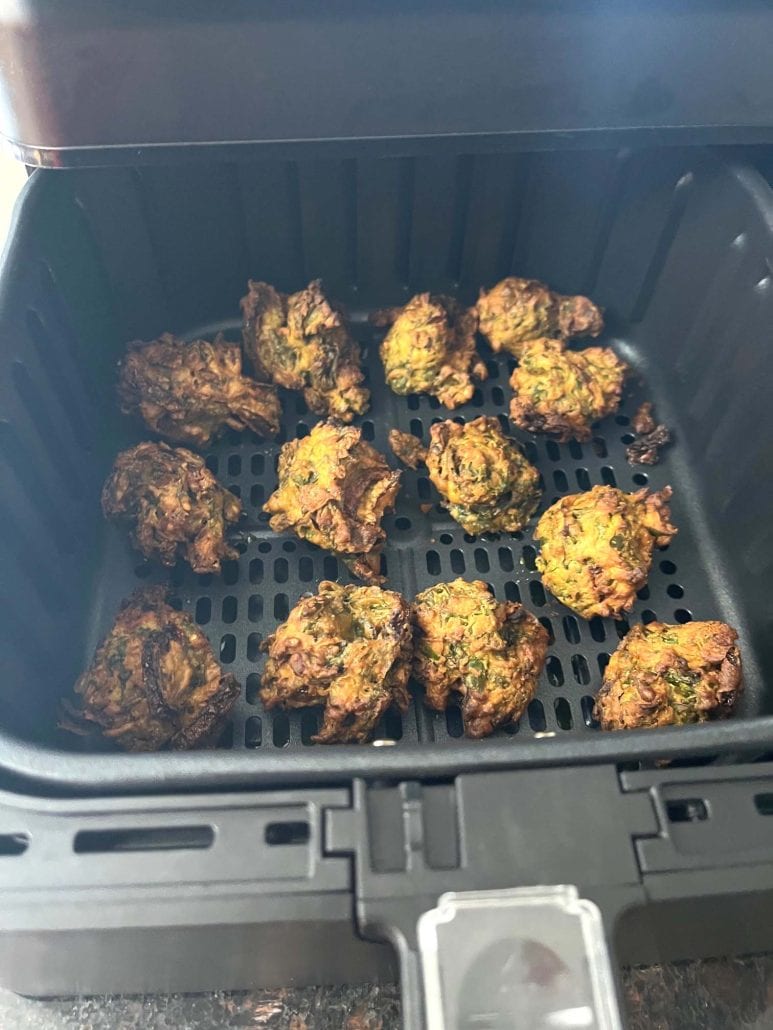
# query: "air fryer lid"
88,82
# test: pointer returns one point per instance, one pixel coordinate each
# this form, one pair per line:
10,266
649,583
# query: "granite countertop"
721,994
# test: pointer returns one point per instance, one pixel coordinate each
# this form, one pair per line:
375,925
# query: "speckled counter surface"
726,994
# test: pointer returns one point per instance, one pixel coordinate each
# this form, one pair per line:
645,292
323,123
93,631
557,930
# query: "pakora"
596,547
347,648
154,682
518,310
486,482
490,653
334,489
192,392
664,675
174,506
651,437
563,392
302,342
407,448
430,348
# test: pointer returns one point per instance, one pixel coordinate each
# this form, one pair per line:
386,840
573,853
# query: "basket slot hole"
482,563
497,396
536,713
281,570
457,561
280,730
417,428
648,616
212,463
599,446
764,803
529,557
667,567
530,451
603,662
608,476
433,563
583,479
255,608
536,593
156,838
563,713
309,727
230,609
413,402
368,430
234,465
287,834
253,647
687,810
548,626
580,669
264,546
506,562
554,671
586,707
252,688
203,611
281,607
305,569
330,567
643,594
454,723
253,731
393,725
682,615
560,480
257,465
641,478
597,631
575,449
256,570
621,627
674,590
227,648
230,572
257,494
553,451
512,593
235,489
571,629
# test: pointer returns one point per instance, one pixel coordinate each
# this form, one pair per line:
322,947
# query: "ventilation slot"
161,838
287,834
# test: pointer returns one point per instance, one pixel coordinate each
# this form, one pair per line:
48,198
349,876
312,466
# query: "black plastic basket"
675,244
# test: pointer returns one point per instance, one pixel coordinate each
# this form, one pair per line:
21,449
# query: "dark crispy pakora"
407,448
596,547
302,342
518,310
334,489
347,648
664,675
651,437
173,504
490,653
192,392
154,682
430,348
486,482
563,392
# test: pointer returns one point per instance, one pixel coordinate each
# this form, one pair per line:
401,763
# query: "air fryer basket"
676,245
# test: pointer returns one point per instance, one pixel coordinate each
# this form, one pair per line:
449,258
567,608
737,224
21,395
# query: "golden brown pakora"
596,547
347,648
407,448
430,348
490,653
174,506
192,392
664,675
486,482
302,342
563,392
333,491
154,682
518,310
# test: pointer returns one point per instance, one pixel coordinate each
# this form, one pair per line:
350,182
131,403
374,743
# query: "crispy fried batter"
597,547
192,392
663,675
173,504
348,648
563,392
491,653
431,349
302,342
645,450
154,682
407,448
487,484
517,310
643,421
333,491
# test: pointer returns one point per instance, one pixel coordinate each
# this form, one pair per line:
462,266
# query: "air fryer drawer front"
88,82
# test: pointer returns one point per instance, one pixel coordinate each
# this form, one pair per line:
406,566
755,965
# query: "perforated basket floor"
240,608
